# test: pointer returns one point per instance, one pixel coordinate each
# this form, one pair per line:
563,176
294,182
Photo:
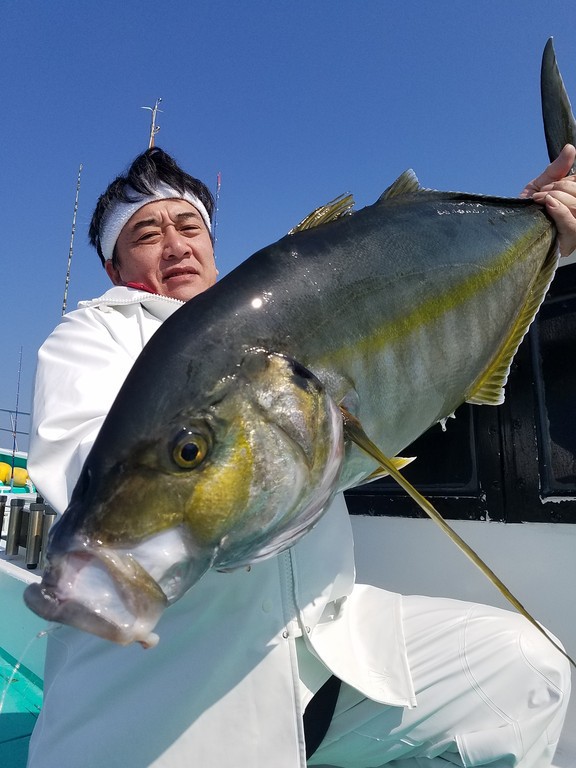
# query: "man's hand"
557,193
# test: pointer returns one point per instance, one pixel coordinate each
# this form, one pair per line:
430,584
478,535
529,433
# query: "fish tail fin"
559,122
353,431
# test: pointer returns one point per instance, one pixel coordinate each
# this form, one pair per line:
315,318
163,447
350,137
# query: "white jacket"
241,653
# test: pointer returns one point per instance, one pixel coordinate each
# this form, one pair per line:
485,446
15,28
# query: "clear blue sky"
293,102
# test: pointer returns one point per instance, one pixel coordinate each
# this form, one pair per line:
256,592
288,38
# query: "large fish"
244,413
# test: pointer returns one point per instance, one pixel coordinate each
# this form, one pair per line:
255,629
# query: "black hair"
143,176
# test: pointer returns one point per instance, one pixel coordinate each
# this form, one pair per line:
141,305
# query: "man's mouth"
177,273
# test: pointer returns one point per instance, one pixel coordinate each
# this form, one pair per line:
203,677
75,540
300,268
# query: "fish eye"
189,449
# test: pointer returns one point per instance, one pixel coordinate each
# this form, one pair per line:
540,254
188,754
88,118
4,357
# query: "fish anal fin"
335,209
398,461
488,389
354,431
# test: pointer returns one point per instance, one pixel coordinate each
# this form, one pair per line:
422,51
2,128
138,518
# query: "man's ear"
113,272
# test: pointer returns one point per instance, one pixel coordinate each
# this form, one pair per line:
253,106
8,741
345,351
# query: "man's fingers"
565,194
554,172
564,216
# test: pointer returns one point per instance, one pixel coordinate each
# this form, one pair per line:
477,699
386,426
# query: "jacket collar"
159,306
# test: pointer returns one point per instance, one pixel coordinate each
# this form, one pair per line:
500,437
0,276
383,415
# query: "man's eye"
147,236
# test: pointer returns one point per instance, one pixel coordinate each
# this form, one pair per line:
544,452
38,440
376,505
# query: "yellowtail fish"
261,398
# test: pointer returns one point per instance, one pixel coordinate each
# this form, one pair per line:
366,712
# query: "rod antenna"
71,249
15,422
153,127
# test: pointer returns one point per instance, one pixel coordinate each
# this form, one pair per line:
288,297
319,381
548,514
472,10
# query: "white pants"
491,690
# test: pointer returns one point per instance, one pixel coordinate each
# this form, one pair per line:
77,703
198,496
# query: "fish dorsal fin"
335,209
354,431
407,183
488,389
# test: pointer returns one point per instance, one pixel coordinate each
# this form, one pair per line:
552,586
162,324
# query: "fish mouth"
102,592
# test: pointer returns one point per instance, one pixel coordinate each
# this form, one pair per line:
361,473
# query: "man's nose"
174,243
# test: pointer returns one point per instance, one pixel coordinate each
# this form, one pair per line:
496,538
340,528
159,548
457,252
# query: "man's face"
167,247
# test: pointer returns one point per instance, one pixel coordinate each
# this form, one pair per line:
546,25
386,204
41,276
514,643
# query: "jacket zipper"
291,631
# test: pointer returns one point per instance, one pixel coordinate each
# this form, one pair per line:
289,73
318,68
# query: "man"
245,657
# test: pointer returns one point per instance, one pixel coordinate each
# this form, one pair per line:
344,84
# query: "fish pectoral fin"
398,461
354,431
335,209
488,389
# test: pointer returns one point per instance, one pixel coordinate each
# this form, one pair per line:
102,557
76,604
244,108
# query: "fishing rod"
71,249
216,201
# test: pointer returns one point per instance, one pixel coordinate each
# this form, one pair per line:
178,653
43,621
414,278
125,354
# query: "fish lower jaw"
80,592
44,602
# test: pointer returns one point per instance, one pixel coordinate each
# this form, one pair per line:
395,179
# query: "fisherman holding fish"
288,662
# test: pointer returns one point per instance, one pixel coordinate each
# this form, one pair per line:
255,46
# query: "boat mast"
71,249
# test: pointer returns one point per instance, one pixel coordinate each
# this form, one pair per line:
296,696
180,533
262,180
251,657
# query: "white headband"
120,213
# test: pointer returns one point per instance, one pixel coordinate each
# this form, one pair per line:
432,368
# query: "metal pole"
34,535
2,510
14,525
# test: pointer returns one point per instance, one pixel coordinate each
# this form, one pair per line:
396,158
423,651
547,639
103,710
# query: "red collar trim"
141,287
